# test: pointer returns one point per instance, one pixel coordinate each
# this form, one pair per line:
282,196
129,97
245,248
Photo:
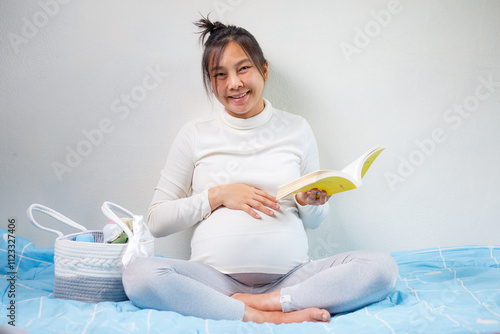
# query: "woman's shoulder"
203,118
198,121
291,116
188,133
290,119
286,114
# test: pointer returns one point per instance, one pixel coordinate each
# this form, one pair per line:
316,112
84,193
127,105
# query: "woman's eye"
218,75
244,68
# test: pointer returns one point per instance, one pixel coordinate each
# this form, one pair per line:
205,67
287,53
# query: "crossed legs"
310,292
341,283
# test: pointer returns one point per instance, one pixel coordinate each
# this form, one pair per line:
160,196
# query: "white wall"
410,75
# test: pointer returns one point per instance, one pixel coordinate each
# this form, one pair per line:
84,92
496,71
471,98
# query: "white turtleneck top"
264,151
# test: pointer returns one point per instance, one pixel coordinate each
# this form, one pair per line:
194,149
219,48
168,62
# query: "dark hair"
219,35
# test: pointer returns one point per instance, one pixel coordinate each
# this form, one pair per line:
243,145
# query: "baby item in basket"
92,271
114,234
85,238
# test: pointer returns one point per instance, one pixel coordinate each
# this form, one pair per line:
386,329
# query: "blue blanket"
442,290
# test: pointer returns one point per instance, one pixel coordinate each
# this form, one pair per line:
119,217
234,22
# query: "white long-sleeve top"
264,151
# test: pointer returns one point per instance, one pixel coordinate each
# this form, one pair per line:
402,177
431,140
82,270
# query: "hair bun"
218,25
207,27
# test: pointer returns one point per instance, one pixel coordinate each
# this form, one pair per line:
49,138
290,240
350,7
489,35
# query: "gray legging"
340,283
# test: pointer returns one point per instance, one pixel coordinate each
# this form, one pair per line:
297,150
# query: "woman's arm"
173,209
313,210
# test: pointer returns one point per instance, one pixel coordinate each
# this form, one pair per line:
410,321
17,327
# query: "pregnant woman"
249,252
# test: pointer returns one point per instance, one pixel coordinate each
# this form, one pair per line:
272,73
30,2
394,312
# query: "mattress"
439,290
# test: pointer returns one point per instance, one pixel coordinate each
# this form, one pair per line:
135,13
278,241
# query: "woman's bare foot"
263,302
277,317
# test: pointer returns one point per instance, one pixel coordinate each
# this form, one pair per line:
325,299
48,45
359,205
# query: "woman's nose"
234,81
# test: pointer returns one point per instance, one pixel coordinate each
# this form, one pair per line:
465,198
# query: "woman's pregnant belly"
234,242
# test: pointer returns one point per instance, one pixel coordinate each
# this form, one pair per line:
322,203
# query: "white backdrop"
93,93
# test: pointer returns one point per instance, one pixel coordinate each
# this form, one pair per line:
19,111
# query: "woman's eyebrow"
218,68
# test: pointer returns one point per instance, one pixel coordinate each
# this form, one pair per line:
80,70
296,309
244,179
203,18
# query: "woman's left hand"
312,197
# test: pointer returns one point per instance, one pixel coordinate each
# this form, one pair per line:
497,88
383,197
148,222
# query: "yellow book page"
332,185
369,162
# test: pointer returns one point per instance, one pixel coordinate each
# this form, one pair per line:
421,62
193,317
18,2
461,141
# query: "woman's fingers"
248,209
246,198
267,200
314,197
264,203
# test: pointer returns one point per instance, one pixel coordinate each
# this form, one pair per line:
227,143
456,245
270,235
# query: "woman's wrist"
214,197
297,199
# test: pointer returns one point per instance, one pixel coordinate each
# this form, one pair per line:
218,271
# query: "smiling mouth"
238,96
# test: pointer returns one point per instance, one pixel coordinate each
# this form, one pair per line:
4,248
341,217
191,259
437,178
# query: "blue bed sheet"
441,290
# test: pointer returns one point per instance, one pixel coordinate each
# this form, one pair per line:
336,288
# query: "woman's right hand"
242,197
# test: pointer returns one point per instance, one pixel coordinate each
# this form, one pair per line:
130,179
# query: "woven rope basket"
90,271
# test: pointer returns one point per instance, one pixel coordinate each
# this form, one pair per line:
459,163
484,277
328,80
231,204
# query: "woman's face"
237,83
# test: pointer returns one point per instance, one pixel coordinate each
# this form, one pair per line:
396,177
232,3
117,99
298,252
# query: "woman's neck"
251,122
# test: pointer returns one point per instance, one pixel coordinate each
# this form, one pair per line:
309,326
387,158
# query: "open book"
333,181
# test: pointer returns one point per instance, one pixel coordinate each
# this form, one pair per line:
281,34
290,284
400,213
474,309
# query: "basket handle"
108,207
53,214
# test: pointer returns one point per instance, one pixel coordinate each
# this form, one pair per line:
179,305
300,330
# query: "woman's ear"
266,71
